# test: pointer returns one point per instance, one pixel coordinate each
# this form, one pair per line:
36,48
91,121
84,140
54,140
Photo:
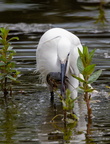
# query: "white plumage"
59,47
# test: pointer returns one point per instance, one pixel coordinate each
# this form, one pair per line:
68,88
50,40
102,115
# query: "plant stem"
5,90
65,117
89,110
87,98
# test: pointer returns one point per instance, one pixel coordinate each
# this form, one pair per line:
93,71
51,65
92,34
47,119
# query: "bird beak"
63,72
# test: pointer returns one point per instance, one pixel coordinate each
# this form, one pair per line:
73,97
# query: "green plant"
7,71
68,105
69,118
86,68
68,102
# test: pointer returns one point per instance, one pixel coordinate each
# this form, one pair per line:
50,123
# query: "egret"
56,58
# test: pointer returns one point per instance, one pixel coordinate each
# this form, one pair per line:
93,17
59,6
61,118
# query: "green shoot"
86,68
7,71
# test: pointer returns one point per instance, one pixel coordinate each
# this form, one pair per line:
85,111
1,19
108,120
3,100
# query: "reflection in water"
63,133
8,125
101,17
30,121
74,131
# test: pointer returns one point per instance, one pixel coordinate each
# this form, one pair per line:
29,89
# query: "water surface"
28,117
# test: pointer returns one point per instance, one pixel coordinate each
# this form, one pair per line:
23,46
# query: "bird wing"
46,56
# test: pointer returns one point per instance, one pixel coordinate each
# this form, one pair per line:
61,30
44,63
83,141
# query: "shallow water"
28,117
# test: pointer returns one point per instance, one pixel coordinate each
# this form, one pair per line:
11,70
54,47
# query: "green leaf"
4,33
78,78
89,69
10,48
2,64
80,53
12,52
68,93
64,105
2,58
15,71
85,59
89,90
81,87
74,116
94,76
2,41
1,77
13,38
11,78
108,87
80,90
91,54
85,51
86,90
11,64
80,65
70,121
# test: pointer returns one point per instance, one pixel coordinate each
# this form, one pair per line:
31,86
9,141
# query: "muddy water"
27,118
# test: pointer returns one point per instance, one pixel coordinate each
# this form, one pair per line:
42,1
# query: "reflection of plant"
8,123
108,87
68,131
64,133
101,17
87,70
69,118
7,71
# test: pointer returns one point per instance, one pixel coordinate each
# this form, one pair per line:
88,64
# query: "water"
28,116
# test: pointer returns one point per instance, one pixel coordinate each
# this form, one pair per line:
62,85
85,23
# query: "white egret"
56,57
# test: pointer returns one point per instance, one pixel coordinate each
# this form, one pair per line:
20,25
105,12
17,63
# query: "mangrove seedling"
68,105
86,68
7,66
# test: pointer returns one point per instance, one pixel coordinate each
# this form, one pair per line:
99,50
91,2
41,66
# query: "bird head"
54,80
63,51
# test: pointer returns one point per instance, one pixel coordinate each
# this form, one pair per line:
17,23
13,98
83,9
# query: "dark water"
27,120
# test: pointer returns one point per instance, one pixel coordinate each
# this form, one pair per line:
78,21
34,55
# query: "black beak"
63,72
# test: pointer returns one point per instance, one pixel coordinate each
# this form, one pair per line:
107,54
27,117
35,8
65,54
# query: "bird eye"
68,54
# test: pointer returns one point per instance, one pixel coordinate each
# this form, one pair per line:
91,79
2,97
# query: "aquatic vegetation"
108,87
8,74
63,133
69,119
86,68
68,105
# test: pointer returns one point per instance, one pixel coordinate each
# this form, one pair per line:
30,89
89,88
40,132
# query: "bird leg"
54,82
52,96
